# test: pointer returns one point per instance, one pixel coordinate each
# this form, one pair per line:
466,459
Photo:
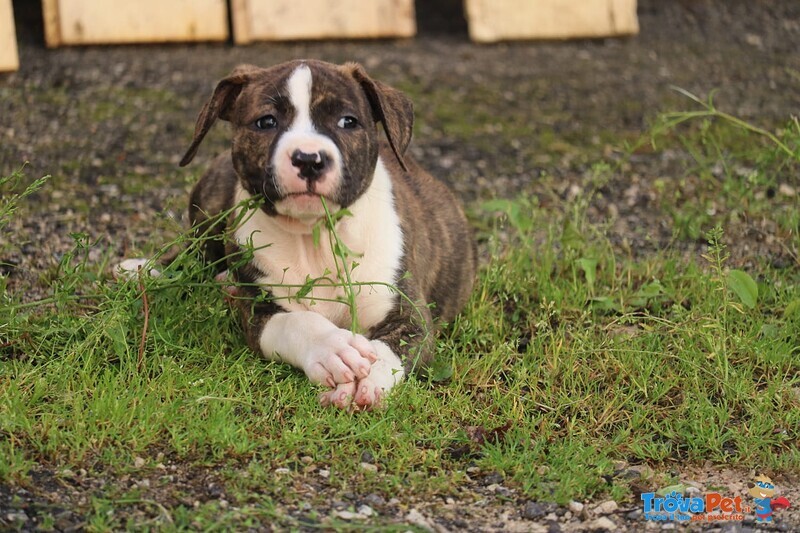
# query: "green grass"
570,357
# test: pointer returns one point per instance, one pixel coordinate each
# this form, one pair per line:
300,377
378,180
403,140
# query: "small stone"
365,510
367,457
347,515
602,524
282,471
575,507
325,473
536,510
692,491
18,516
607,507
369,467
491,479
393,502
449,501
785,189
418,519
375,500
138,462
472,470
306,460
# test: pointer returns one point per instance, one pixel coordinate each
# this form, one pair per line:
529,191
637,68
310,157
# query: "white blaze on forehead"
299,88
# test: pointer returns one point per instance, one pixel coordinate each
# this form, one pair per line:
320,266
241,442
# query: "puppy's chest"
305,275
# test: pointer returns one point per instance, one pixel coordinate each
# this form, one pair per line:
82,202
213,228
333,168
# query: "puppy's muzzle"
310,166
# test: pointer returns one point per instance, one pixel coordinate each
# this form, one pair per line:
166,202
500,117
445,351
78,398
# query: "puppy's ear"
218,106
390,107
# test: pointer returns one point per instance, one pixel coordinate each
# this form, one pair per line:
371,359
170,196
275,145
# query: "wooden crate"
9,60
133,21
272,20
500,20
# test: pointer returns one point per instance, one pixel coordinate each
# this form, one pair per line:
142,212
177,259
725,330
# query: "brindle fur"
439,256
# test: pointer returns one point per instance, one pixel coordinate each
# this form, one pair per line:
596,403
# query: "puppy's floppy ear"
218,106
390,107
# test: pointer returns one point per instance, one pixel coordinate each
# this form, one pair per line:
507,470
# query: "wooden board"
500,20
9,60
133,21
272,20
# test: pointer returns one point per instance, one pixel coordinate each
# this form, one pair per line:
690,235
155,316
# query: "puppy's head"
305,130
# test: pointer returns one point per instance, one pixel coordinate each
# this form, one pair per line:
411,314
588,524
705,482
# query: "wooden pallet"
9,60
69,22
502,20
279,20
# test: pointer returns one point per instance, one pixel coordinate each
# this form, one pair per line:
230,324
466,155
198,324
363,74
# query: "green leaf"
571,238
306,288
589,267
743,285
792,309
604,303
440,370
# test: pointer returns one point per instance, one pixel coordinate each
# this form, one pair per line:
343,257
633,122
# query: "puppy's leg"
328,354
402,343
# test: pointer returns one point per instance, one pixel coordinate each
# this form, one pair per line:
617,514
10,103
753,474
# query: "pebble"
535,510
375,500
348,515
18,516
369,467
281,471
367,457
138,462
602,524
365,510
607,507
575,507
325,473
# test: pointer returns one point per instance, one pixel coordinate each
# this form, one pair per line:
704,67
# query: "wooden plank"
9,59
272,20
499,20
142,21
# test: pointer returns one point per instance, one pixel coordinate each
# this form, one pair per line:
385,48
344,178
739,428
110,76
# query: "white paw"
130,268
341,396
368,392
339,356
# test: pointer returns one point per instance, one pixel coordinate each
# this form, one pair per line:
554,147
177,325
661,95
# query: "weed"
567,358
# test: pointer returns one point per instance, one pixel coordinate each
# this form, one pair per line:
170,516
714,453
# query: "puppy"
305,131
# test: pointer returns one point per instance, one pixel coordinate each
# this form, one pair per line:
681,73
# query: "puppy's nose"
310,165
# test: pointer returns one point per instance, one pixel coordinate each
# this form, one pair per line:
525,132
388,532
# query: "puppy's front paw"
371,390
341,396
339,357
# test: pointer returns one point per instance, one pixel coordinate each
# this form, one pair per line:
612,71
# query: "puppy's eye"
347,122
267,122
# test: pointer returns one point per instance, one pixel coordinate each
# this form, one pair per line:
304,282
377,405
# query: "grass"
570,357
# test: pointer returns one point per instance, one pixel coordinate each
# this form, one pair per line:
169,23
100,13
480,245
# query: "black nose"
311,166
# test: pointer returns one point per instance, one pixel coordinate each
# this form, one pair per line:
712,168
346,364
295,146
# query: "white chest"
306,276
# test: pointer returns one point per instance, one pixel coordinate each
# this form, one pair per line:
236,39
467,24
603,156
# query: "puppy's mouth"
304,207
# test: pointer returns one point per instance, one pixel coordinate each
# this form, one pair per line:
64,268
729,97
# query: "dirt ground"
110,124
